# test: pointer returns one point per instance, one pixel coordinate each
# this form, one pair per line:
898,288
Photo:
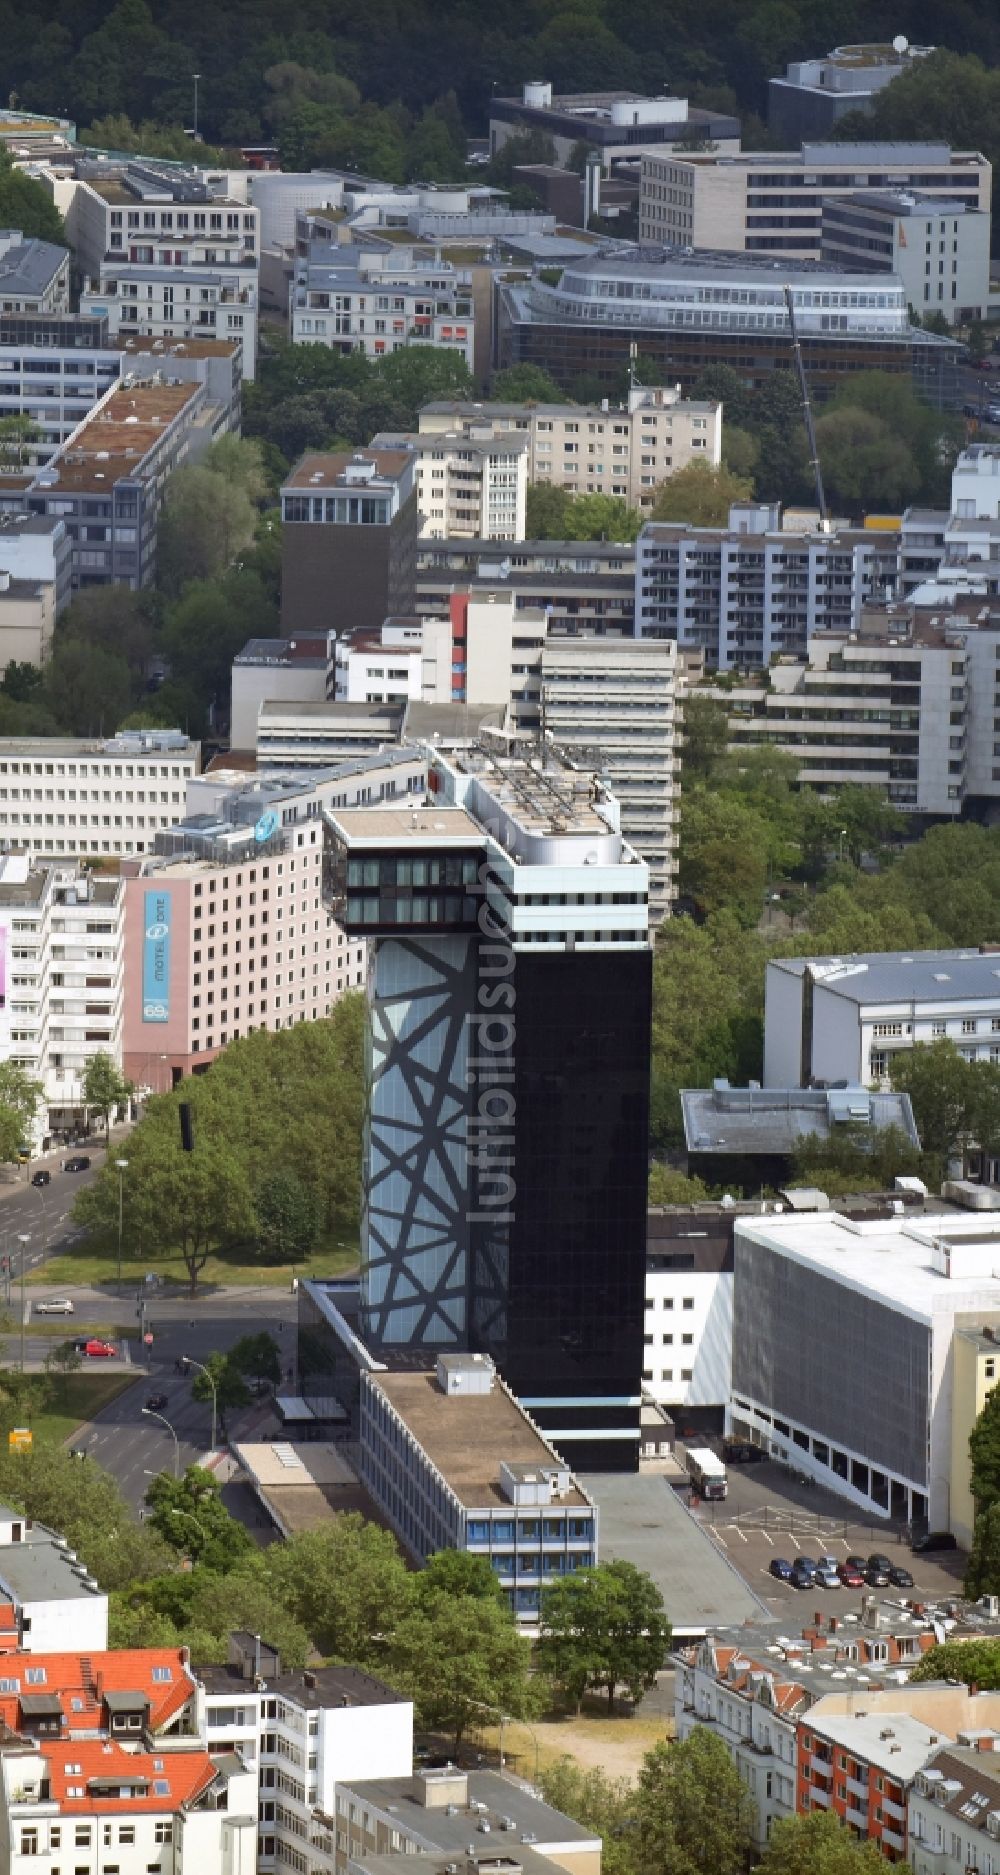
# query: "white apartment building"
771,202
162,256
472,479
615,703
953,1809
750,1690
362,299
688,1325
302,1734
747,593
34,275
68,797
598,449
843,1018
48,1601
62,938
939,249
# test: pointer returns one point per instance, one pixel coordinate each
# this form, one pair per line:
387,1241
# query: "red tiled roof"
158,1784
87,1678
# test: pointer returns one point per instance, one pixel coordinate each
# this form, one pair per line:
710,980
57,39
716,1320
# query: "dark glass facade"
559,1290
382,894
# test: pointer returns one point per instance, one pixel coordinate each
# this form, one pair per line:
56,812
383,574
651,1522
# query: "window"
688,1302
969,1025
163,1832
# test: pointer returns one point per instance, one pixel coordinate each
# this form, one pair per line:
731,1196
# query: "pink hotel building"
215,949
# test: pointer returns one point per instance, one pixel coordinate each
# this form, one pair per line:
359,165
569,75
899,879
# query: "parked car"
98,1350
41,1178
827,1578
741,1452
156,1402
933,1539
850,1576
780,1567
859,1563
803,1573
877,1561
828,1562
56,1305
80,1164
900,1577
876,1578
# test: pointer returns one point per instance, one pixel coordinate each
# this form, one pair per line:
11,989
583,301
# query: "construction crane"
824,518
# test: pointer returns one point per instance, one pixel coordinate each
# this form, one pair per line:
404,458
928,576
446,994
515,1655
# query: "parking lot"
769,1513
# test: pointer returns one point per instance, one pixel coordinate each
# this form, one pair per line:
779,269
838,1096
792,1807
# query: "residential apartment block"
613,124
441,1811
837,1018
815,94
355,298
744,594
454,1462
350,524
940,249
69,797
107,480
598,448
581,585
162,255
953,1811
37,550
34,275
62,940
48,1599
771,202
472,479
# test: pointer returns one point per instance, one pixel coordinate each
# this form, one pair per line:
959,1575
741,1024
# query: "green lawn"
88,1267
75,1399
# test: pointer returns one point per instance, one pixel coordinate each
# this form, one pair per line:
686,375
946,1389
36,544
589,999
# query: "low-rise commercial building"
939,249
312,735
750,1136
611,124
454,1462
436,1812
293,669
349,541
598,449
67,796
815,94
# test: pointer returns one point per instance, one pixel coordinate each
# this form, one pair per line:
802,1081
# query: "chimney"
309,1680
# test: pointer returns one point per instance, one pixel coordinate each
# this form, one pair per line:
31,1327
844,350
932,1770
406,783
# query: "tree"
700,495
666,1186
223,1386
189,1514
87,688
459,1658
84,1503
603,1627
982,1575
286,1219
604,1805
694,1810
855,1157
941,1091
548,512
705,727
347,1584
974,1663
205,522
17,435
818,1844
105,1089
27,205
864,464
117,621
740,452
984,1454
525,384
258,1356
20,1097
555,514
455,1573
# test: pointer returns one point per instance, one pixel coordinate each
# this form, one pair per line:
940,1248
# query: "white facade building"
747,1690
361,299
843,1018
939,249
472,479
771,202
688,1327
34,275
597,448
48,1601
79,798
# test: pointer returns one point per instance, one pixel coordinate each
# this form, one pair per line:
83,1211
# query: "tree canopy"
603,1628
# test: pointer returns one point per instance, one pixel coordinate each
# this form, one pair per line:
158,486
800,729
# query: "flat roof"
891,1260
40,1569
643,1521
467,1437
777,1119
303,1486
442,826
176,348
116,439
896,1742
324,1687
328,469
502,1797
870,977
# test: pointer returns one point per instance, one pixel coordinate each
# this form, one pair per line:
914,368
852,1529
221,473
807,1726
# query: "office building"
161,254
294,736
37,550
362,206
472,479
815,94
939,249
48,1600
295,670
27,621
350,525
353,298
843,1351
581,585
453,1462
521,860
439,1810
225,931
34,275
612,124
614,705
953,1809
837,1018
73,797
688,1324
108,478
598,449
744,594
771,202
302,1732
751,1136
54,367
405,661
684,309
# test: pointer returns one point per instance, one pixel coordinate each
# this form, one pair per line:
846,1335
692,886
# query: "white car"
59,1305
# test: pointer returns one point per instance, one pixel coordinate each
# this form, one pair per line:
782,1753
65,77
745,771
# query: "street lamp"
188,1362
843,836
24,1240
195,76
122,1165
189,1514
148,1413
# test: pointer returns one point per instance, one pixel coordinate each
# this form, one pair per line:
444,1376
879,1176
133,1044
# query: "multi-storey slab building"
581,585
350,524
163,256
771,202
472,479
517,870
816,93
372,301
684,308
63,796
612,124
598,449
746,593
940,249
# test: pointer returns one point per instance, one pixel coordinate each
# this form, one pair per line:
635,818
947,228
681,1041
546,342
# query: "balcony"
819,1797
894,1838
821,1766
858,1819
857,1789
894,1811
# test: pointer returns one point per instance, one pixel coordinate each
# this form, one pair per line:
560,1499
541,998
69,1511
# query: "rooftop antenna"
824,518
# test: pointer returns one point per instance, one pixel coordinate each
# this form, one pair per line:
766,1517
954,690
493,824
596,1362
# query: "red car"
851,1577
100,1350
